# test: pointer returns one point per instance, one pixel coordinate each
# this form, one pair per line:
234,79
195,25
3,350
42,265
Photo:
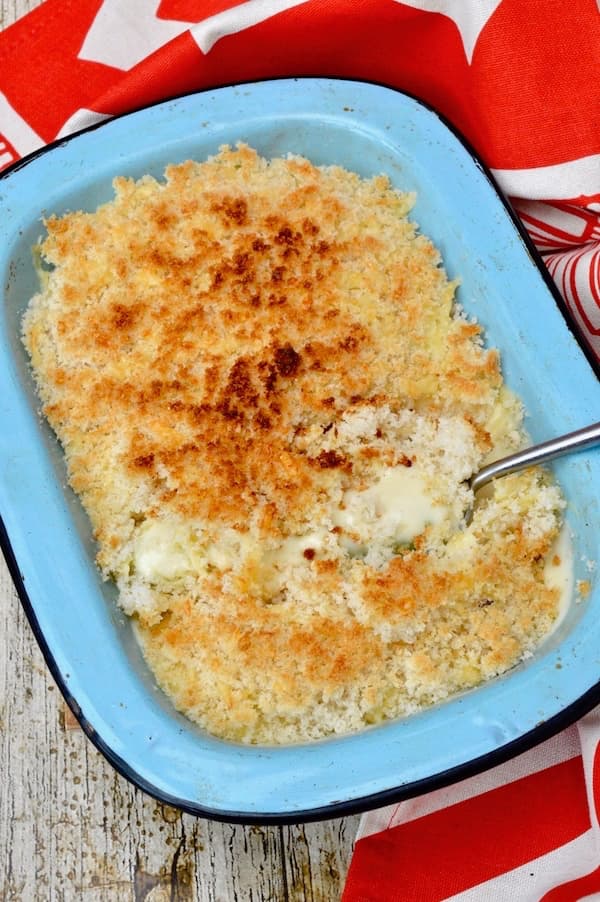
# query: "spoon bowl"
587,437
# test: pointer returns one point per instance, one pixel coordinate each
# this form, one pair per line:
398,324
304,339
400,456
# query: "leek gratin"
269,404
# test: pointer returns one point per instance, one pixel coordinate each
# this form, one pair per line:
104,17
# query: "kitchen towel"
521,80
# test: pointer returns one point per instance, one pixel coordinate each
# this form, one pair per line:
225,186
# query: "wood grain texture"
11,10
71,828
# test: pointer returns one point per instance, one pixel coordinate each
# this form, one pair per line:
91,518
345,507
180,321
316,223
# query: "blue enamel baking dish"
88,643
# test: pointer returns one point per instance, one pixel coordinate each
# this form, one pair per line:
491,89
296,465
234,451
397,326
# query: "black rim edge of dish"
544,730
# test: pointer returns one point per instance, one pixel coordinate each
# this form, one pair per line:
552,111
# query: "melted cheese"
394,510
399,505
162,551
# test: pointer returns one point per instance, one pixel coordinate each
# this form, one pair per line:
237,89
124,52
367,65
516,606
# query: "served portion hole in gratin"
270,405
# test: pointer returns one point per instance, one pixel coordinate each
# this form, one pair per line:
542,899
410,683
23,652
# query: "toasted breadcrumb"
270,405
584,587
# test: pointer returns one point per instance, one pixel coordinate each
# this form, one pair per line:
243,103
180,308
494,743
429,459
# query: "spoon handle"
537,454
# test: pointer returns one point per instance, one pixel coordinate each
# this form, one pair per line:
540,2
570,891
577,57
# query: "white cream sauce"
398,506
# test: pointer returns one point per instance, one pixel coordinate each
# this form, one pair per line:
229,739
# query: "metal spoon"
536,454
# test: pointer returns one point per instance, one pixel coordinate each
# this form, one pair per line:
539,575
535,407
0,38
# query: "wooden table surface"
71,828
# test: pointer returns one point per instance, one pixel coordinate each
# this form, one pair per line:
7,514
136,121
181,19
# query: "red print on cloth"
474,841
8,153
527,830
40,72
489,78
191,10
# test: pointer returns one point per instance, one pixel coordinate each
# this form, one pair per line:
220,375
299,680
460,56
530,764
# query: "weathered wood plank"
11,10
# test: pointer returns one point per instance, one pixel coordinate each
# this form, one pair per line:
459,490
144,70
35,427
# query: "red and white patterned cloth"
521,79
527,831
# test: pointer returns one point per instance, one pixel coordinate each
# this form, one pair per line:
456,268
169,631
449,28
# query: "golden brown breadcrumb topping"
252,365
